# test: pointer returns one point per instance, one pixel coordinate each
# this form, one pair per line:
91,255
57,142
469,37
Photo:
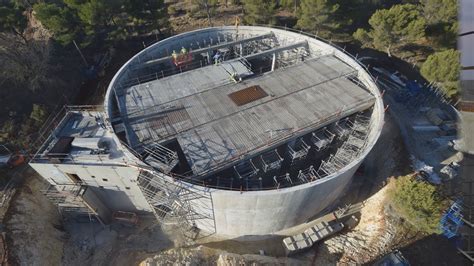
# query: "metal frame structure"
299,151
322,139
343,128
270,161
283,53
68,199
173,203
350,149
246,169
161,157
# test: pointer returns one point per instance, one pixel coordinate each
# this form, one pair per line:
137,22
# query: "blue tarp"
413,87
452,220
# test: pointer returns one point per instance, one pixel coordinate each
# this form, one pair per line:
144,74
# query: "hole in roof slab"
247,95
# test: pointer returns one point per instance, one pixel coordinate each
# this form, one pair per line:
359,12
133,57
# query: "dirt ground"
33,226
37,236
115,244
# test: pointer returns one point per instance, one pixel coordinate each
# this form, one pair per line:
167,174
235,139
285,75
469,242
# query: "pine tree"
443,68
60,21
418,202
291,4
436,11
399,25
317,16
259,11
12,19
208,6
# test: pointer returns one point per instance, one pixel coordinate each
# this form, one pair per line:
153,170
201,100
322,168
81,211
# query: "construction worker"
216,57
174,57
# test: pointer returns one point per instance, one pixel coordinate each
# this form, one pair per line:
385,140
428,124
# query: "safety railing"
55,121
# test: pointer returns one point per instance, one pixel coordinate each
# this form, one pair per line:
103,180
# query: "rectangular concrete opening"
248,95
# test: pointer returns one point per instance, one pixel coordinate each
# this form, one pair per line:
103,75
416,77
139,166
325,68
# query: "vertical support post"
79,50
273,62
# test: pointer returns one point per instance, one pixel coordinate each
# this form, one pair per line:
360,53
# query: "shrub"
418,202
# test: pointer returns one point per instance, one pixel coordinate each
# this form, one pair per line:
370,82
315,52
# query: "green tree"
443,68
59,20
151,14
436,11
397,26
24,62
38,114
418,202
89,21
291,4
12,19
94,17
208,6
317,16
441,17
259,11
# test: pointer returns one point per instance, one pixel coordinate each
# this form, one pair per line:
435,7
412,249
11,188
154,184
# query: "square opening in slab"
248,95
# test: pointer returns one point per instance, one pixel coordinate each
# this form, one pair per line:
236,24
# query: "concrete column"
209,57
273,62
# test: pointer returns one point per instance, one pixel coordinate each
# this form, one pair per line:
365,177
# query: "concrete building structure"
235,131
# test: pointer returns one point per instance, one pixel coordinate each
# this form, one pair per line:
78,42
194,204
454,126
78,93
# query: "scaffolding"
245,170
308,175
173,202
160,157
343,128
285,53
270,161
452,220
254,183
322,139
349,150
68,199
298,150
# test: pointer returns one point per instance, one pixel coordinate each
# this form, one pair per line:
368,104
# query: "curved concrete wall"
249,214
264,212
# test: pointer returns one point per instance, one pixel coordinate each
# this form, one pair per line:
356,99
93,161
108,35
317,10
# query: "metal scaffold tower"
161,157
298,150
350,149
173,202
68,199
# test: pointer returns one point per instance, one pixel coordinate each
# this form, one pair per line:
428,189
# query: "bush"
38,114
172,10
418,202
443,68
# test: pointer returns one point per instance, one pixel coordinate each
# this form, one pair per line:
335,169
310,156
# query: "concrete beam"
210,48
277,50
